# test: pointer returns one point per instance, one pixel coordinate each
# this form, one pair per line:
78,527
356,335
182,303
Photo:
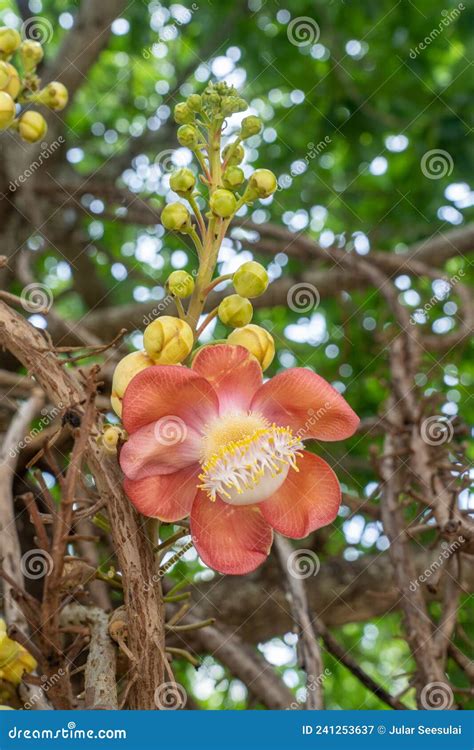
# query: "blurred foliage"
371,103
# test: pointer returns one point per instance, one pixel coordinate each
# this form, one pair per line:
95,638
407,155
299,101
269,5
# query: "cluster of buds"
220,184
14,658
20,86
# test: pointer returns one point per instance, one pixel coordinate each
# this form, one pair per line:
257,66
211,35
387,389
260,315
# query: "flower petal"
305,402
230,539
164,390
168,497
232,371
160,448
306,501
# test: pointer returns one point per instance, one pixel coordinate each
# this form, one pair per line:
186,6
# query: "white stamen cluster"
241,464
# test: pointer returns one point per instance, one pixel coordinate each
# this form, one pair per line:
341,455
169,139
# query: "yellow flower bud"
14,658
126,369
176,218
235,311
180,284
182,181
32,126
110,438
31,54
54,95
222,203
233,178
10,40
257,341
168,340
262,184
237,154
9,79
7,110
250,280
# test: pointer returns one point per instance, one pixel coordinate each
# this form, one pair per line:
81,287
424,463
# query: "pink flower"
216,443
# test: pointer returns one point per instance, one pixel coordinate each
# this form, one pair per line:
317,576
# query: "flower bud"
250,280
182,181
9,79
126,369
250,125
54,95
7,110
180,284
222,203
176,218
237,155
168,340
257,341
110,438
235,311
31,54
233,178
32,126
15,660
261,184
182,114
188,135
194,102
10,40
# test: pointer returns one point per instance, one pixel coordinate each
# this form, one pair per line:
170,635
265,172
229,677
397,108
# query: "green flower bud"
222,203
182,114
194,102
176,218
229,105
262,184
180,284
7,110
182,181
235,311
233,178
250,280
10,40
31,54
9,79
32,126
54,95
188,136
168,340
257,341
251,125
237,155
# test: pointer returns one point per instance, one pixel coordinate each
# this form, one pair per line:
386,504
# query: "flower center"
246,460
